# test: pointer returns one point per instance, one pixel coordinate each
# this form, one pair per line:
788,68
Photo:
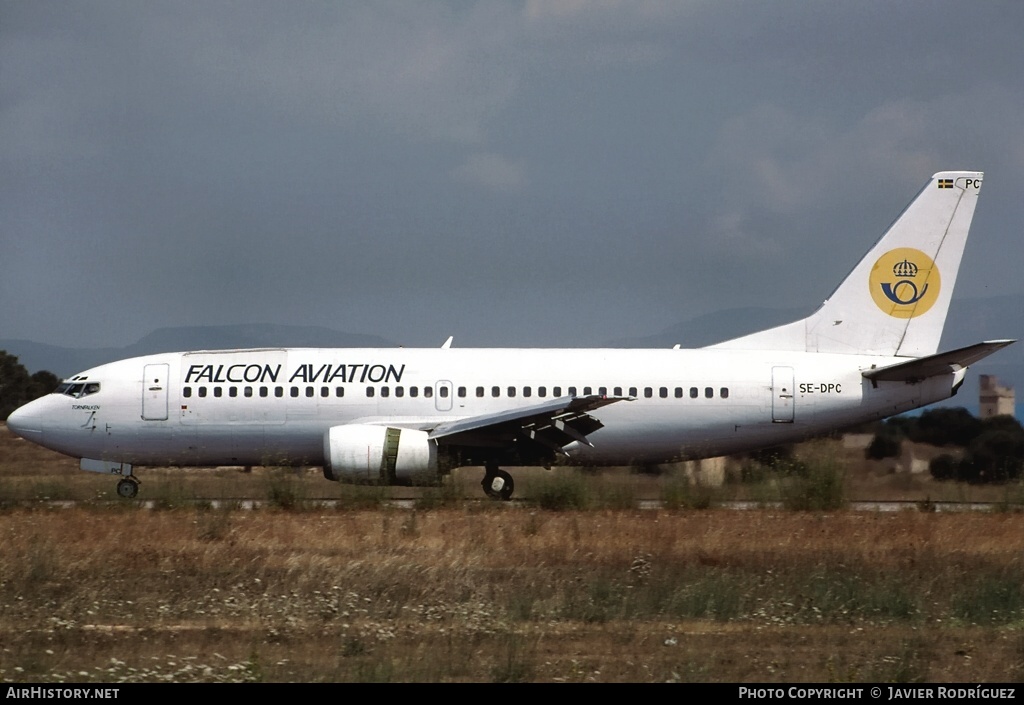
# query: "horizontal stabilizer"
940,364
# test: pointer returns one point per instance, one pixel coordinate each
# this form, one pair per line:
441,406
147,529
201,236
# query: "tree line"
18,387
983,450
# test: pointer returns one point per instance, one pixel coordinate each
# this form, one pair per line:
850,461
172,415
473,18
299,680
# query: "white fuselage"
273,406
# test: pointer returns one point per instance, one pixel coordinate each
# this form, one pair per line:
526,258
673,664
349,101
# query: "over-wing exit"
405,416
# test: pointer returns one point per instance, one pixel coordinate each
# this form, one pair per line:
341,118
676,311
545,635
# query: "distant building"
994,399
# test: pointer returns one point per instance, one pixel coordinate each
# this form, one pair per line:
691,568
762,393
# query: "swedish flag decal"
945,183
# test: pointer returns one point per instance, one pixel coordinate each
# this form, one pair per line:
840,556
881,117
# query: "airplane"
404,416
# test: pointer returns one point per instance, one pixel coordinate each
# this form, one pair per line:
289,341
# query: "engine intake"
380,454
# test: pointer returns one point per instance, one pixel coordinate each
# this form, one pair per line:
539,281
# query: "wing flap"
939,364
553,424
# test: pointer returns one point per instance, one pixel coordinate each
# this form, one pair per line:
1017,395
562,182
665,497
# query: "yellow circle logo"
905,282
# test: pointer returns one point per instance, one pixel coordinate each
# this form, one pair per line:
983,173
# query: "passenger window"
264,391
202,391
479,391
542,391
384,391
587,391
679,392
399,391
603,391
232,391
648,392
294,391
369,391
632,391
572,391
709,392
247,391
186,392
724,392
462,392
693,392
443,391
325,391
428,392
217,391
339,391
663,392
279,392
414,391
617,391
527,391
511,391
495,391
309,391
556,392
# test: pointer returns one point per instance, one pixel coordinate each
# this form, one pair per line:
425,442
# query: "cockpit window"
77,390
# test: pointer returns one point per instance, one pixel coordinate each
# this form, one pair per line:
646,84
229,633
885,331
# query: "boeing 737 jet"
403,416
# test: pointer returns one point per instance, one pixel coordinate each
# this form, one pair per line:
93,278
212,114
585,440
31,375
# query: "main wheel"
499,485
127,488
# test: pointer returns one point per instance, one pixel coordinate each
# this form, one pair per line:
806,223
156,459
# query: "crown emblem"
905,282
906,268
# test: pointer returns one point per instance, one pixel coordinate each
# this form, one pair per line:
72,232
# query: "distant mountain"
66,361
969,321
714,328
257,336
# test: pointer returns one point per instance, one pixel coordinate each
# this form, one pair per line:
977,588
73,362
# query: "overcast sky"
539,172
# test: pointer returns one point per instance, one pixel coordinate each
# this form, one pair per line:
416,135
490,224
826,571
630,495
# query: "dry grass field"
456,590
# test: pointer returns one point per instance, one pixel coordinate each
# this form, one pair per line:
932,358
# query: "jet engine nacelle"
379,454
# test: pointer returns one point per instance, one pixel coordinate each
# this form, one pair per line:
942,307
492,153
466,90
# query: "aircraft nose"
26,422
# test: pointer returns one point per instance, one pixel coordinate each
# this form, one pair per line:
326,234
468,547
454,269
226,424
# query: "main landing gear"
497,483
128,487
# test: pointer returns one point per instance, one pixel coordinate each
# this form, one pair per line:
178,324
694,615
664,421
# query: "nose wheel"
128,488
498,484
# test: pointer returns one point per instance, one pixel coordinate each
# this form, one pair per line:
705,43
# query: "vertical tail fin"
895,300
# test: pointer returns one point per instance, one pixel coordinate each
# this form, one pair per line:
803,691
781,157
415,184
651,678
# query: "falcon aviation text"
306,372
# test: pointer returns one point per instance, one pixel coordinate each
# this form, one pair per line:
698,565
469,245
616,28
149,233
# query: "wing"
552,424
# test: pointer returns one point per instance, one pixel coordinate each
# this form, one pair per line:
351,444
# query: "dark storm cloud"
514,173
